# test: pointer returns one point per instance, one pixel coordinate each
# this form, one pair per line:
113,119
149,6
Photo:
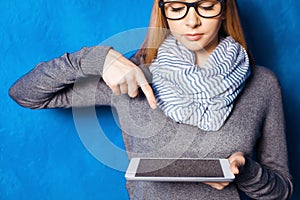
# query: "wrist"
249,171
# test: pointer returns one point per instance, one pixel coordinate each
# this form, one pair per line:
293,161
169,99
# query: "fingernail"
153,105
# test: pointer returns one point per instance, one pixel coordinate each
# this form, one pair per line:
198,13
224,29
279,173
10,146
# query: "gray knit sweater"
255,127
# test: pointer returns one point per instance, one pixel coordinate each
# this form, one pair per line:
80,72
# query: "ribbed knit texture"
194,95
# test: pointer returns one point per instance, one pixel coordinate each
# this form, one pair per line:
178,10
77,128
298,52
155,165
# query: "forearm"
258,182
268,176
50,84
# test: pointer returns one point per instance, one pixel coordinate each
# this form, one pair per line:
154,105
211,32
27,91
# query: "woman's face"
195,32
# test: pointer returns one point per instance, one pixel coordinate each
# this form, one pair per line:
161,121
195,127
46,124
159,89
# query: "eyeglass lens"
205,8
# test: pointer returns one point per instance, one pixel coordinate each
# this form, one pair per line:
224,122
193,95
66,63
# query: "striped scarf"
199,96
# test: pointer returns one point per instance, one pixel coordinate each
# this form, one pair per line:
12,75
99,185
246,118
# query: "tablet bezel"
134,163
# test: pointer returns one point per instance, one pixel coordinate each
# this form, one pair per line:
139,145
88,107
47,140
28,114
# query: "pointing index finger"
147,90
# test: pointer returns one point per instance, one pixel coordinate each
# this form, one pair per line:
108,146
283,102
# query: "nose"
192,19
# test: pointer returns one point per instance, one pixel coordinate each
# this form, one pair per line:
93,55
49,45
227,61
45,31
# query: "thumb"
234,166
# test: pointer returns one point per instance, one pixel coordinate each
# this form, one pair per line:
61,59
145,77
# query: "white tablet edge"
228,175
132,168
134,162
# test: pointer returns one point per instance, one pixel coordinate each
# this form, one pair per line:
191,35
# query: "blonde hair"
158,30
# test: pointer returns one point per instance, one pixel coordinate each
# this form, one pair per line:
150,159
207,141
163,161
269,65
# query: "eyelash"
177,9
201,7
207,8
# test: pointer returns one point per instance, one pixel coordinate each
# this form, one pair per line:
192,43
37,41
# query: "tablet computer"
179,170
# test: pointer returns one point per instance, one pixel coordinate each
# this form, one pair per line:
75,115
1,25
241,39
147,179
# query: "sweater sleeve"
73,79
268,177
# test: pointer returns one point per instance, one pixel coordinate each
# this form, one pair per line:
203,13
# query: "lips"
194,37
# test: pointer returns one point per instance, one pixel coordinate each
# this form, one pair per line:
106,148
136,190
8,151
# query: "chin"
194,47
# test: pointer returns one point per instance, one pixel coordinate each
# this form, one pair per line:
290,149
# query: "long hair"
158,30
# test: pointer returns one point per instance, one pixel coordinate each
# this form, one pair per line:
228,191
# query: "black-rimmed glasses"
175,10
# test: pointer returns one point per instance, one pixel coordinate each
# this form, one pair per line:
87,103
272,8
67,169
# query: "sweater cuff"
93,62
248,172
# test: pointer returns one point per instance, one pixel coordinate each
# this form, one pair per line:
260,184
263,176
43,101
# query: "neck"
201,57
203,54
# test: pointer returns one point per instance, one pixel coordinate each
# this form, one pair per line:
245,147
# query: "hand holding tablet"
179,170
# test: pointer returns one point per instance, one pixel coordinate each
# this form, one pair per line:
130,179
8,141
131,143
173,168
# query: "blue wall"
41,155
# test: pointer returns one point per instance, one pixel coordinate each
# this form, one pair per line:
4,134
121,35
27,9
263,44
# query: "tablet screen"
179,168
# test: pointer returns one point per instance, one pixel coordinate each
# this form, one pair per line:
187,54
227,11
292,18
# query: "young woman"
212,104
